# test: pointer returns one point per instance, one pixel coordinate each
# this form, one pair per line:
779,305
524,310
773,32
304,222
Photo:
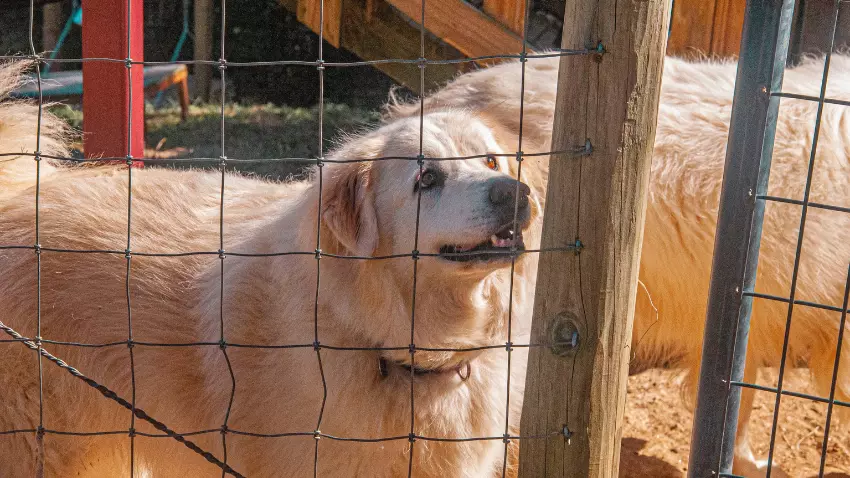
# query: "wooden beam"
728,23
584,304
309,13
511,13
691,27
479,35
203,47
387,35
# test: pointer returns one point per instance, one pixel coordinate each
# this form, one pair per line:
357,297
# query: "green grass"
251,132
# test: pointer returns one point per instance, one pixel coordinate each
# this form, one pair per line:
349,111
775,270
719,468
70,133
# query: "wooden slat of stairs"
381,29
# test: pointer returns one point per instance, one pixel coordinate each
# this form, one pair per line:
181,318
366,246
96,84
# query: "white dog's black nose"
503,193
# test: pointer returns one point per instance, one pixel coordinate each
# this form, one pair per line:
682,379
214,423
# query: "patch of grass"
252,132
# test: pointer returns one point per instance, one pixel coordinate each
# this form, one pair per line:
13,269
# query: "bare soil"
657,433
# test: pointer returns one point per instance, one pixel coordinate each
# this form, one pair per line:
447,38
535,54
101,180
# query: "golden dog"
685,180
189,335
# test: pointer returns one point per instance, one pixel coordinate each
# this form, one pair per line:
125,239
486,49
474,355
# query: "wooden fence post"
203,42
585,299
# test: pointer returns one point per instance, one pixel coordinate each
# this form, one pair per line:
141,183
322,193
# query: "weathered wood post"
203,41
585,299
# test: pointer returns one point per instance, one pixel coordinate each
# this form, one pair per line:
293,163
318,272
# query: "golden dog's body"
687,168
268,300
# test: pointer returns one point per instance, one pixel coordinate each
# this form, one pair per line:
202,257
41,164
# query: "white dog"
687,167
466,232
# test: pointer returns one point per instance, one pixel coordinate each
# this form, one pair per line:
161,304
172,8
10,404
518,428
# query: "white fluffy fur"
269,300
687,167
367,209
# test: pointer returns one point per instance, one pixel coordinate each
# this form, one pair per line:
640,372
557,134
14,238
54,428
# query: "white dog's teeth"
494,240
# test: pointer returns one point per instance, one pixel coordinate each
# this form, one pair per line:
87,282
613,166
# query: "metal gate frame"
758,91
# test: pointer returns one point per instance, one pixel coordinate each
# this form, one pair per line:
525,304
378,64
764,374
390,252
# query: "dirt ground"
657,433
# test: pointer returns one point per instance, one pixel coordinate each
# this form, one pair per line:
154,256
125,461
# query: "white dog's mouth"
497,247
462,369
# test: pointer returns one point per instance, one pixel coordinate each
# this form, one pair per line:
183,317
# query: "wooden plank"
387,35
202,42
691,27
728,22
510,13
309,13
600,200
480,35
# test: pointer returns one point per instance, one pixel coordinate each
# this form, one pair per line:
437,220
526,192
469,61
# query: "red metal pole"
113,119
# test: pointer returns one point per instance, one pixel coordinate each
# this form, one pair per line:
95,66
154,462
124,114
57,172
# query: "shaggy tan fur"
19,120
687,167
367,209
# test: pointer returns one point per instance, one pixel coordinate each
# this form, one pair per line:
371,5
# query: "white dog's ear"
349,207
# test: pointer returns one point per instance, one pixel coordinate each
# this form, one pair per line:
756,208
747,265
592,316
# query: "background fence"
599,59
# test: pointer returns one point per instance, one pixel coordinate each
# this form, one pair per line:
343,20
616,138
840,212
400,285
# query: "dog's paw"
756,468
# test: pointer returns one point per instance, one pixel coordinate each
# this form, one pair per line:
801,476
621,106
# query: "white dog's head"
471,217
468,209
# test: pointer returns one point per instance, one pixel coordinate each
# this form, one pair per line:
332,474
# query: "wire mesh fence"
737,271
41,344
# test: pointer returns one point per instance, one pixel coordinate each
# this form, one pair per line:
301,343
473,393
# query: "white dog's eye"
427,179
492,163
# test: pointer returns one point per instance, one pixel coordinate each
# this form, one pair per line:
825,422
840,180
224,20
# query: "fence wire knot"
222,64
129,160
411,437
320,64
128,63
131,432
37,249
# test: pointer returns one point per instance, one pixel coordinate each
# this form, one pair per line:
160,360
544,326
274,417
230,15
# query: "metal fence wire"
758,92
41,345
